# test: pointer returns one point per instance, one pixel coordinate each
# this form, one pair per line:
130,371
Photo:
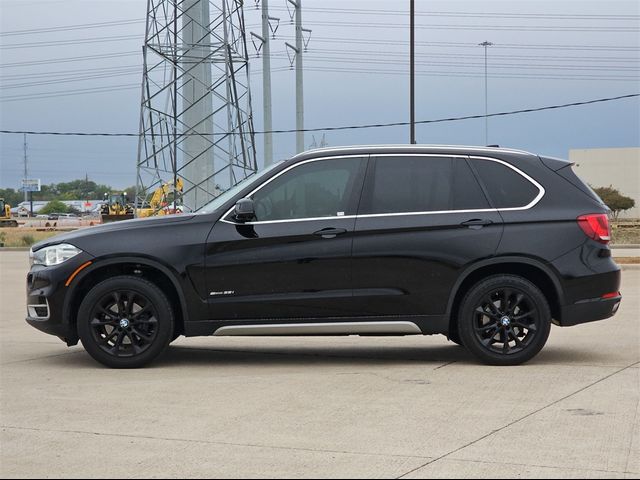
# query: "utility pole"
486,45
266,85
26,171
299,81
412,77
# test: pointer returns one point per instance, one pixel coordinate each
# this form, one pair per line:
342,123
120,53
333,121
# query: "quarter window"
313,190
506,187
421,184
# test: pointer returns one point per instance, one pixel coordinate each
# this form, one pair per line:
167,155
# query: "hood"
85,234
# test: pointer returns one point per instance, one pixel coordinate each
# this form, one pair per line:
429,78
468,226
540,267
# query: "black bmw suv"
487,246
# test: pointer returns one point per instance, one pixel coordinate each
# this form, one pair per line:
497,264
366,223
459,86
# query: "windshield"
223,198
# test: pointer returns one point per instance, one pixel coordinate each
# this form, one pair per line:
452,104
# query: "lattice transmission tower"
196,124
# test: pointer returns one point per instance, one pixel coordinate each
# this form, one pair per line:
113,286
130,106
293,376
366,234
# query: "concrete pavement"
320,407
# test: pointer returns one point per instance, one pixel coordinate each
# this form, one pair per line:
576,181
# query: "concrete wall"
618,167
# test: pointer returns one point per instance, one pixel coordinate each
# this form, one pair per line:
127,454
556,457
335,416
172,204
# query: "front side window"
317,189
413,184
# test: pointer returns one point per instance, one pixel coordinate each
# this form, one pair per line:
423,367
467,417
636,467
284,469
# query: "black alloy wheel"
504,320
125,322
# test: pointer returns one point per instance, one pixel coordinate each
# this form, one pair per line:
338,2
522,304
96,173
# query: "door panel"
416,275
278,270
294,259
423,218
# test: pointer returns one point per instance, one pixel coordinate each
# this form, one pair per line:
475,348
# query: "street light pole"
486,44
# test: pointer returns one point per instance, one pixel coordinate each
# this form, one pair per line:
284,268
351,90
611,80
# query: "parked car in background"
488,246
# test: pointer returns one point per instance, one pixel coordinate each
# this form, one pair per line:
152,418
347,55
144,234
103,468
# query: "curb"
626,245
15,249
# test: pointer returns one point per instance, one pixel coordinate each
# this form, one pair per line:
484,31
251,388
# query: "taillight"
596,226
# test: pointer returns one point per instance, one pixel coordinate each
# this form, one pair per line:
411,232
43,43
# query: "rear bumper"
590,310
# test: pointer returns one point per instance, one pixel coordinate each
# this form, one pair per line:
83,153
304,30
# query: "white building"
83,206
616,167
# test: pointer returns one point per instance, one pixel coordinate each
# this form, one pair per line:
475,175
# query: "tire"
454,337
504,320
125,322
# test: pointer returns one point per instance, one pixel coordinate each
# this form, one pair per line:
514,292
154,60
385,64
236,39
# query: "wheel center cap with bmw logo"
124,323
506,321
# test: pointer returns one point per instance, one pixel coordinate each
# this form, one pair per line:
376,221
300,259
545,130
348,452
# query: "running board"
335,328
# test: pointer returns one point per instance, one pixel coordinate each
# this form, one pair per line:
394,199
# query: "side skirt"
336,328
412,325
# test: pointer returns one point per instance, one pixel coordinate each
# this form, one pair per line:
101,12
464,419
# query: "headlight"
53,255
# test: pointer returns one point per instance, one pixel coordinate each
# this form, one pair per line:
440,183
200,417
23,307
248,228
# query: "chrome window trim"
533,203
223,218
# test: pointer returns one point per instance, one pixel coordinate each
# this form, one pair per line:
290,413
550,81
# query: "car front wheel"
504,320
125,322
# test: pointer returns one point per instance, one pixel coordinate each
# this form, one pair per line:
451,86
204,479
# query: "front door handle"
476,223
330,232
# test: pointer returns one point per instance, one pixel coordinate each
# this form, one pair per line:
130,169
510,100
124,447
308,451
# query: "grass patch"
627,260
624,233
24,237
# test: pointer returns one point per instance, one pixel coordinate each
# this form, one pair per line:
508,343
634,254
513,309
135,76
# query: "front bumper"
47,298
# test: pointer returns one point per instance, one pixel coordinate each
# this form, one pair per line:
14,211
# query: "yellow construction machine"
160,203
116,207
5,215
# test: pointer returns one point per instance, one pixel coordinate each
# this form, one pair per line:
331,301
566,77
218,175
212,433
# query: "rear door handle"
476,223
330,232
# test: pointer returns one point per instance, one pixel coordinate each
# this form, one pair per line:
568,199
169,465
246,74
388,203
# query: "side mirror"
245,210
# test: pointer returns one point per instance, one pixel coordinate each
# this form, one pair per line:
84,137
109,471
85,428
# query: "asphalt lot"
408,407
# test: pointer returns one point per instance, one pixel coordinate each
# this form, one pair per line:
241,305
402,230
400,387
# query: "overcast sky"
545,53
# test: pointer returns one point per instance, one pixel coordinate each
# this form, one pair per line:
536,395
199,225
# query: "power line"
79,26
430,73
563,58
519,28
81,58
64,93
74,41
349,127
556,16
78,78
509,46
66,73
518,66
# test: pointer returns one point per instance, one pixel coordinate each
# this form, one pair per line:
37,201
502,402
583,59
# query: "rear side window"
506,187
421,184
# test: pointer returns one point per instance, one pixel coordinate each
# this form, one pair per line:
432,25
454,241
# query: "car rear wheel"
125,322
504,320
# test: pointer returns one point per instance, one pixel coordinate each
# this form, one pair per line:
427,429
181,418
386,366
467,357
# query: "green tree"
11,196
53,206
81,189
616,201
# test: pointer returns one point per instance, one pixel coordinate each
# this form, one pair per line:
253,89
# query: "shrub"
616,201
27,240
54,206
